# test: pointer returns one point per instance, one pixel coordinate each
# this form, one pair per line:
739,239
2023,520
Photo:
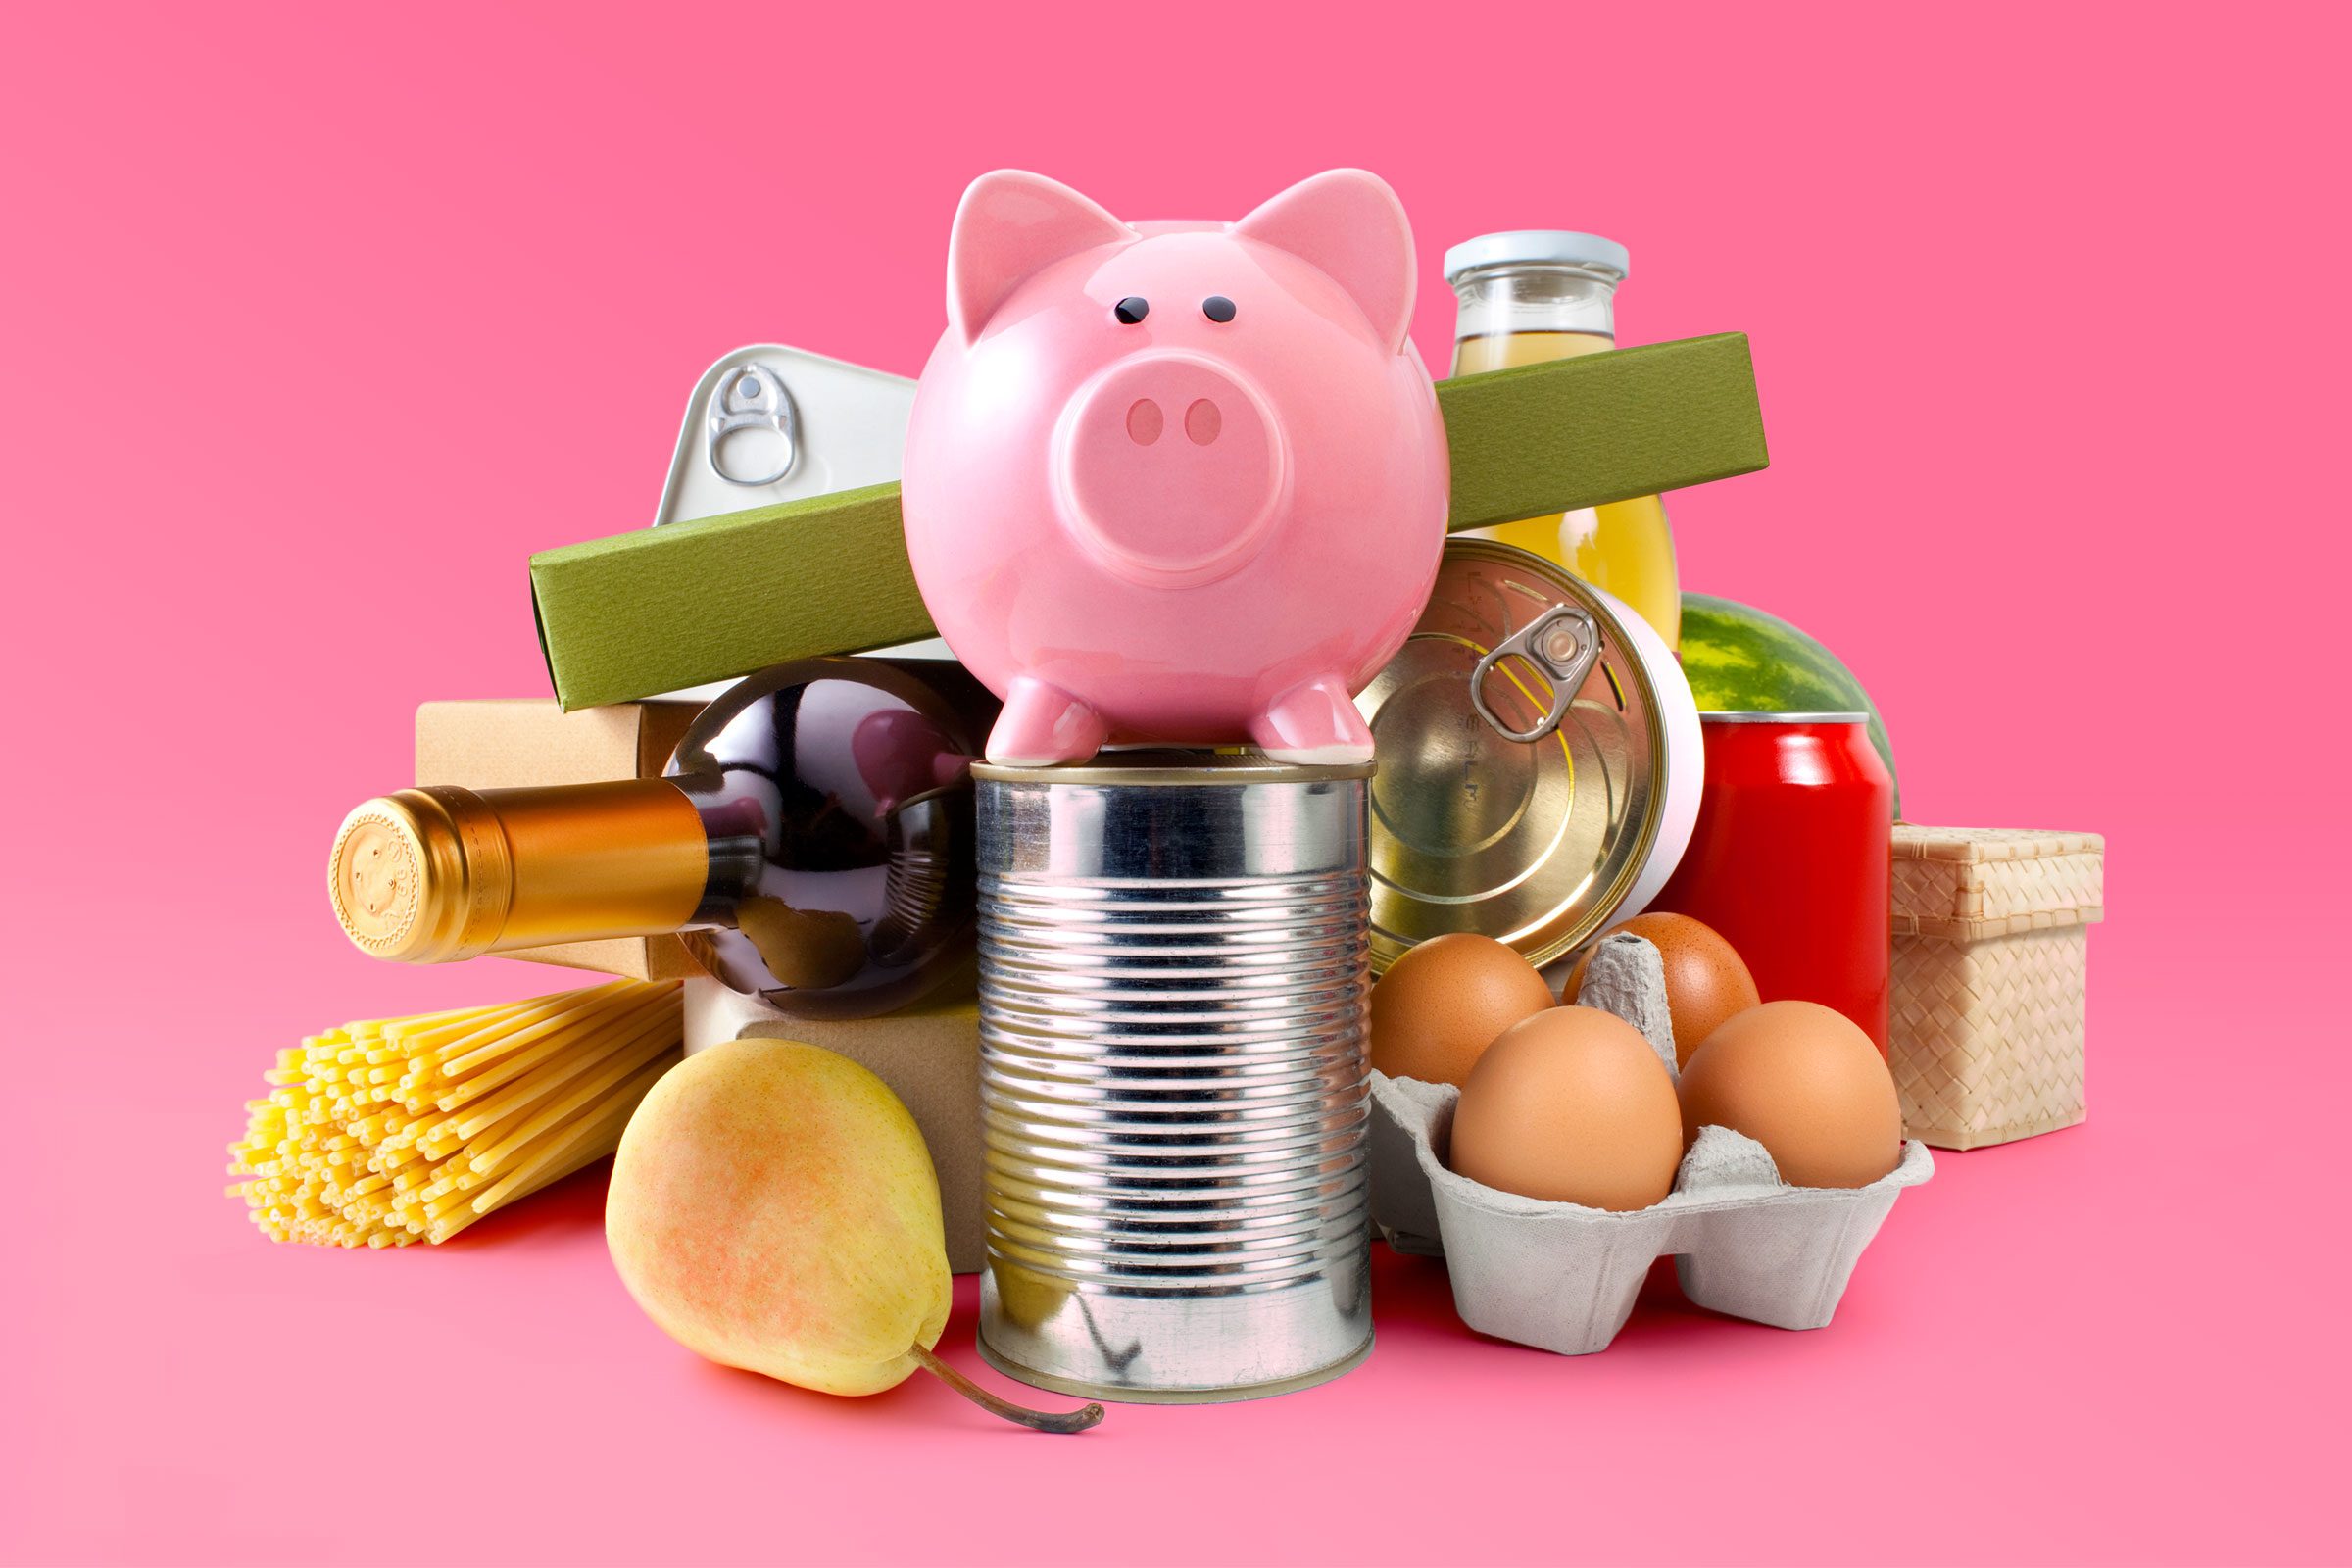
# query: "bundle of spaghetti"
392,1129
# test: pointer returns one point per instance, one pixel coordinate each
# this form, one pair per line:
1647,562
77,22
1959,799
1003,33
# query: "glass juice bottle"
1547,294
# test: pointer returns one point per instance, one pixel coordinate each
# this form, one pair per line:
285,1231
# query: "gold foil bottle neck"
436,874
421,876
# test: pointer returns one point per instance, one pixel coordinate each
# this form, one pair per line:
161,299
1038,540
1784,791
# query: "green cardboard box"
660,609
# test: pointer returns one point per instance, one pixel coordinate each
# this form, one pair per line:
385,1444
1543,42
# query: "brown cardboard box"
930,1057
524,742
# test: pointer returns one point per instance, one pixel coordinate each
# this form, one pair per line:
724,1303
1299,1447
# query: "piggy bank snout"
1169,469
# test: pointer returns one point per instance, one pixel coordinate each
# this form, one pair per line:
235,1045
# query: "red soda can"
1793,856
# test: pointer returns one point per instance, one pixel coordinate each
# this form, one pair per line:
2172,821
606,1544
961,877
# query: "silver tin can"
1173,971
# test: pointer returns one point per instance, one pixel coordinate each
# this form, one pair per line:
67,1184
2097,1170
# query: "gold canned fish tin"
1541,759
1172,1075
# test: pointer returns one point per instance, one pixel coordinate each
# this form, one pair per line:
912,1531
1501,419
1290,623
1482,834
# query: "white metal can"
769,423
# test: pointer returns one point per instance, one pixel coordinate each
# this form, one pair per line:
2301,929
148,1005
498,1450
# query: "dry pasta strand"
523,1067
384,1131
489,1147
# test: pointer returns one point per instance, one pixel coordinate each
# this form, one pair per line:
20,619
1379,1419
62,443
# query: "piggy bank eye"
1217,308
1131,310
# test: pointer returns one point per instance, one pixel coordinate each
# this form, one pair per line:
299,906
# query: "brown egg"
1804,1081
1571,1105
1706,979
1442,1003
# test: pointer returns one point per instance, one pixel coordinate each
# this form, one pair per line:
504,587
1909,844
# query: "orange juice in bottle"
1546,294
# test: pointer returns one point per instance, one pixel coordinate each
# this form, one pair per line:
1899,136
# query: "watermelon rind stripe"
1739,658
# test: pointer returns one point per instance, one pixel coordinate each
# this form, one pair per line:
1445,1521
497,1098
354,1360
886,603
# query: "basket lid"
1968,883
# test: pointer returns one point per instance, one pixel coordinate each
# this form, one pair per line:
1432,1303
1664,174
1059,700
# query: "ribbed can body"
1174,973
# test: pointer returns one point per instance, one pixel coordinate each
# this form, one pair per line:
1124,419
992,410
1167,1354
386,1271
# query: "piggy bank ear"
1351,225
1009,224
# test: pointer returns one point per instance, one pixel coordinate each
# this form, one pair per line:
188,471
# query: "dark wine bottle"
811,840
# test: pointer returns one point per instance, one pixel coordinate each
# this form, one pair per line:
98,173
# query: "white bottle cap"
1537,247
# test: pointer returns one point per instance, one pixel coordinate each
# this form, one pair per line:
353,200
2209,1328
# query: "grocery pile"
1259,666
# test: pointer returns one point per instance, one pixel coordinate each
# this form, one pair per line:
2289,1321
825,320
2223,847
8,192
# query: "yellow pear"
773,1208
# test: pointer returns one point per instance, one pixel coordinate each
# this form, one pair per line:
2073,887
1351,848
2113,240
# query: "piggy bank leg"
1315,722
1041,726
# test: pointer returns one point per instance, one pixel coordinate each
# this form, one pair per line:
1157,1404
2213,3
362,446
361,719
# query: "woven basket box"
1991,929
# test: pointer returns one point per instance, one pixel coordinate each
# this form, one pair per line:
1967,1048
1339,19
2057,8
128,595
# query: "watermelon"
1741,659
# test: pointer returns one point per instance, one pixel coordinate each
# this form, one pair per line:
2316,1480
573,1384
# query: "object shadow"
571,1206
1413,1295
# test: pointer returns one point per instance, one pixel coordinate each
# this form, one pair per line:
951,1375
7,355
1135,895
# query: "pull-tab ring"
1563,642
750,397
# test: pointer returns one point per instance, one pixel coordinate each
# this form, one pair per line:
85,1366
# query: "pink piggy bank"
1176,482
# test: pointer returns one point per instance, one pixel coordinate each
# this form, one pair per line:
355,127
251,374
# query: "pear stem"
1035,1420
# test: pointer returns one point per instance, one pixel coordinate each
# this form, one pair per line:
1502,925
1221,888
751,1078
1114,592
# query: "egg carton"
1563,1277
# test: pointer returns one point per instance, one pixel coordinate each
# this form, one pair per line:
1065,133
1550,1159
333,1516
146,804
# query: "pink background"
319,321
